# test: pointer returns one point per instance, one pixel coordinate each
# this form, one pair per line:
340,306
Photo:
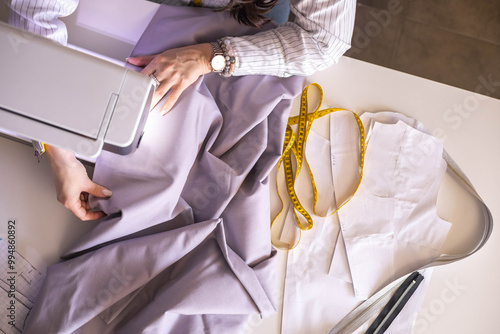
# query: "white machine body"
67,98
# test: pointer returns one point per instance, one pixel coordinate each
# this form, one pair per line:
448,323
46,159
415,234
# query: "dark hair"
250,12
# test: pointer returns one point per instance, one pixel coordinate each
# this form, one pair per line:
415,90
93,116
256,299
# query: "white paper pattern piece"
400,235
19,285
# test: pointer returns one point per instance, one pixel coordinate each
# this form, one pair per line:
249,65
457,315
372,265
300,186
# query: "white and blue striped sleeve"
42,17
319,36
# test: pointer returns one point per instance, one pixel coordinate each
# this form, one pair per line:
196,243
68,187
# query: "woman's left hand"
175,69
73,185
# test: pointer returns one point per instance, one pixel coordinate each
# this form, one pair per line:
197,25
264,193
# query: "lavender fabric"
186,244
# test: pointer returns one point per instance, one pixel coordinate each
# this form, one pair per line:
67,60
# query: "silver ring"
157,83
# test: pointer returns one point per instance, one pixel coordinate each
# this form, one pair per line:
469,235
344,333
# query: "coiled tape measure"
294,145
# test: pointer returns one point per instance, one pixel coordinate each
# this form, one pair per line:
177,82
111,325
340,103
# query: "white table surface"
467,121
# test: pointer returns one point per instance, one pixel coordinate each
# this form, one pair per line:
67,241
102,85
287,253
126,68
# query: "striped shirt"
42,17
320,34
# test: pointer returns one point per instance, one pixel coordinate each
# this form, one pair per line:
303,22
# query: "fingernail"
107,192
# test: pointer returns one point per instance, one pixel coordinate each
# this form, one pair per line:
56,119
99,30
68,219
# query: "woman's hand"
175,69
73,185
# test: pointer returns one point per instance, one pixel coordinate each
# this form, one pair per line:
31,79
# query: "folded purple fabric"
186,244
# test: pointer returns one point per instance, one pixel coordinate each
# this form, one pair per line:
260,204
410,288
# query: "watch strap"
216,48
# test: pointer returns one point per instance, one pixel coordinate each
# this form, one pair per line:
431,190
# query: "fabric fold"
187,230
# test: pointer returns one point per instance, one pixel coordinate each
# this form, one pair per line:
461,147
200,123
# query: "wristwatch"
218,60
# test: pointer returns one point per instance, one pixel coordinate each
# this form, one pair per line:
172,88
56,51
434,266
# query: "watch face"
218,63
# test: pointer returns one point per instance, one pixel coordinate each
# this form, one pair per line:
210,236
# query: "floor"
456,42
4,12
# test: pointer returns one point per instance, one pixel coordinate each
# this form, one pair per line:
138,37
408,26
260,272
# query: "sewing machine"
68,98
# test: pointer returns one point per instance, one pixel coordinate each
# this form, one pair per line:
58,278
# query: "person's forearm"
319,36
41,17
60,158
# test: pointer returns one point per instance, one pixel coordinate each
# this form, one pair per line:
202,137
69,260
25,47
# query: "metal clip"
39,148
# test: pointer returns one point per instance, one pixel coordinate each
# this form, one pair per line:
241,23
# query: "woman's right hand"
73,185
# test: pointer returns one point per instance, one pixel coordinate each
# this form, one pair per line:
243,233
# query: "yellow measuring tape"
295,145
